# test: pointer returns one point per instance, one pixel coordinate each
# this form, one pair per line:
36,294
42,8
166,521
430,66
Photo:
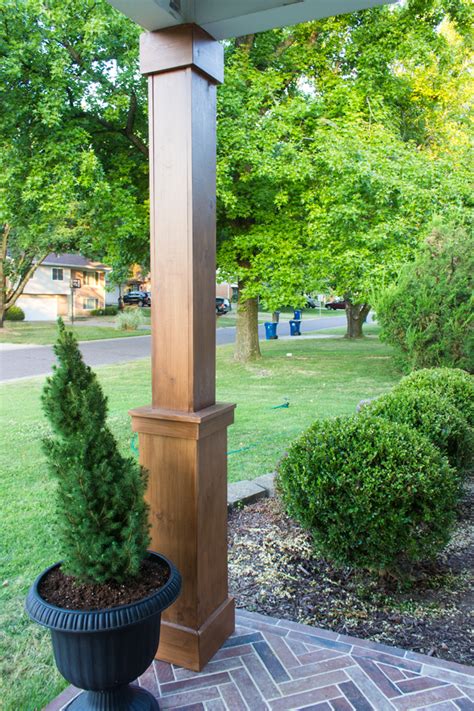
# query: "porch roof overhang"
233,18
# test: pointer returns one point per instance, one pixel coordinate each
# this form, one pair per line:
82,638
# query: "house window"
90,304
91,278
57,274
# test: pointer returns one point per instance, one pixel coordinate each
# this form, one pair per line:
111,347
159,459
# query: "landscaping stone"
267,481
265,672
249,491
244,492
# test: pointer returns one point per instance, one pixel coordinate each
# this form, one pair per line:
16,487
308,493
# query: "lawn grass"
45,332
321,378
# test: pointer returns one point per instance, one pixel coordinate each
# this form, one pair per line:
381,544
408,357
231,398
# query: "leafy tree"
73,124
296,104
427,314
48,185
102,519
331,160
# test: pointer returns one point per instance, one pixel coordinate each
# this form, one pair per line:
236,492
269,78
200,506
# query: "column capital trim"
181,47
184,425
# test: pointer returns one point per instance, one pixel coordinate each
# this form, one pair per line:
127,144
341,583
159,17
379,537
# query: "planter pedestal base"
125,698
185,454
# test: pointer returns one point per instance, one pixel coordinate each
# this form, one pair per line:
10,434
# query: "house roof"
74,260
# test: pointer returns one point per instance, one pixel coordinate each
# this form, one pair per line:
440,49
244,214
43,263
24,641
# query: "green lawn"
321,378
45,332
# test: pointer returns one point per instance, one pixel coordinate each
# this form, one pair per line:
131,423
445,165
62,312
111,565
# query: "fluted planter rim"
103,619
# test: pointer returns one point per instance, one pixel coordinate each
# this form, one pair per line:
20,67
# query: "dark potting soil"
275,569
64,591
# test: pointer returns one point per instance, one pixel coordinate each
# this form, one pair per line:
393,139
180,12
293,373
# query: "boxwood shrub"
375,495
434,416
15,313
453,383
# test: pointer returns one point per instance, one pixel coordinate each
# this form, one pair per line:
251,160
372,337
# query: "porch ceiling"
233,18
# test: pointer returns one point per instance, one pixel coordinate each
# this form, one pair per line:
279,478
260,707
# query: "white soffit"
234,18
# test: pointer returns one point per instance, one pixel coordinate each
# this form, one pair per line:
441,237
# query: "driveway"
20,361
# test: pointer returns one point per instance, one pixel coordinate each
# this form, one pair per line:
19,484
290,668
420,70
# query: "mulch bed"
275,570
64,591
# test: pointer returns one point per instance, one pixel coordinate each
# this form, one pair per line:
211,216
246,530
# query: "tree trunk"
356,315
247,346
3,279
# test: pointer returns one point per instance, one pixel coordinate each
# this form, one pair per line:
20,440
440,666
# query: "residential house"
49,293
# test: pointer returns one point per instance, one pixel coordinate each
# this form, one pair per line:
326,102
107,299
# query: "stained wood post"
183,433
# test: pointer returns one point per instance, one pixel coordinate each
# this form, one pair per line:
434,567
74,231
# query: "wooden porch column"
183,434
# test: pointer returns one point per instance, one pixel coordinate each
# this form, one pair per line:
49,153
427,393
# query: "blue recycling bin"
295,327
298,315
270,330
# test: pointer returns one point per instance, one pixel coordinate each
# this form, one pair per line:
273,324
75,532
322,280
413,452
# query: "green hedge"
434,416
375,494
15,313
107,311
453,383
427,314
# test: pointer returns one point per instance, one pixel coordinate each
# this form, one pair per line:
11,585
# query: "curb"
245,492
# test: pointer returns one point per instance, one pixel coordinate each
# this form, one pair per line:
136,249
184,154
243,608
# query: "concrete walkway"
270,663
23,361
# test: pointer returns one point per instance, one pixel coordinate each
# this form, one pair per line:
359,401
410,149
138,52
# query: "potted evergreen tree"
103,601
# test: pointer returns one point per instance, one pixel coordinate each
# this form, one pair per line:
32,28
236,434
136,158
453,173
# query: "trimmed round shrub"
453,383
374,494
15,313
432,415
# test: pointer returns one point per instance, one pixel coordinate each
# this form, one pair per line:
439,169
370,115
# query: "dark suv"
142,298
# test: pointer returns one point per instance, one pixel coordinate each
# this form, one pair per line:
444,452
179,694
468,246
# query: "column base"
192,649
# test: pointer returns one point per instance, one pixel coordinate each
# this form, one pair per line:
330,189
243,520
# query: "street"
25,361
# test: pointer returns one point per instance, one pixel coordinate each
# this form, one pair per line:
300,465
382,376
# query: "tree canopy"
73,136
338,142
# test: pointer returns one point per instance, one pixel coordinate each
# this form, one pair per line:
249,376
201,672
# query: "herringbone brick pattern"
280,665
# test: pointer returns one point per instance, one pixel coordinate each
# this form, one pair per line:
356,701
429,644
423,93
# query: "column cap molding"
181,47
184,425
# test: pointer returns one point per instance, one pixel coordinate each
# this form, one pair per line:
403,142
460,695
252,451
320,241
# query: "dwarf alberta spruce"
102,519
374,494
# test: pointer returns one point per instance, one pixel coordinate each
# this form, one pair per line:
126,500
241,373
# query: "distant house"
48,294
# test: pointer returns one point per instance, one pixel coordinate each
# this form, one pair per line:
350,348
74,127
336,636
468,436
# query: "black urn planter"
102,651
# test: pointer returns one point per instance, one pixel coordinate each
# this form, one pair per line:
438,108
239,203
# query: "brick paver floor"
276,664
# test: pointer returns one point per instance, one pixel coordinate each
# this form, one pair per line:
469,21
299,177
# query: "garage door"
39,308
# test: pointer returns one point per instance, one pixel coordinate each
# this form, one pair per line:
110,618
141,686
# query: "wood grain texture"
193,648
180,47
183,240
187,495
183,434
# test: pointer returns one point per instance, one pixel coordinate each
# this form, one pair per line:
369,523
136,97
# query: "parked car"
142,298
221,306
334,305
311,303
